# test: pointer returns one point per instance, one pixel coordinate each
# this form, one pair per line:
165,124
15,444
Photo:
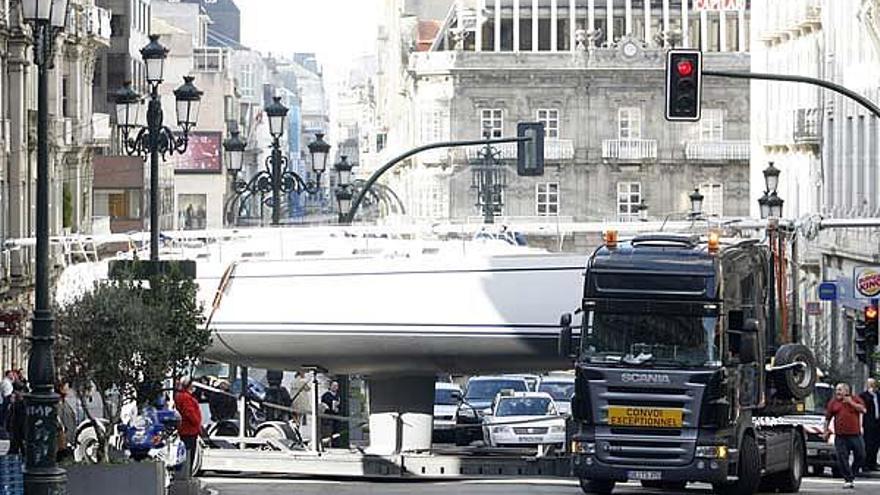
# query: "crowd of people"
856,429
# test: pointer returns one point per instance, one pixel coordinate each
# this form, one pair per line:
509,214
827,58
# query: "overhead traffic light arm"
837,88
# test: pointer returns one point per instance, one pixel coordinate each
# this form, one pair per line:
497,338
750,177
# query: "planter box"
137,478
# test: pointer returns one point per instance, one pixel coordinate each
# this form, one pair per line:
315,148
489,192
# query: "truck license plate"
648,417
643,475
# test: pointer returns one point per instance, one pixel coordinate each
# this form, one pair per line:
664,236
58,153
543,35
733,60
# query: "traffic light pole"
837,88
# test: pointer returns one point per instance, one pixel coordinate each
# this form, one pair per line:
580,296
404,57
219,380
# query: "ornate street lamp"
343,193
771,178
774,205
156,139
643,211
234,147
764,206
319,150
696,203
41,472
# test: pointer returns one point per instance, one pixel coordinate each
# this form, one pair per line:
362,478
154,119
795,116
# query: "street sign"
828,291
813,308
716,5
866,281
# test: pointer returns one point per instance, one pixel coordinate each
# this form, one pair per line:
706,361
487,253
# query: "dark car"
477,402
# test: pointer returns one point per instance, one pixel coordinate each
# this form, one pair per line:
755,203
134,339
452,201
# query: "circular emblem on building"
630,49
868,282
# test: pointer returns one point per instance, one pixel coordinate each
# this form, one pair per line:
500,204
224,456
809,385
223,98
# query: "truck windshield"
651,339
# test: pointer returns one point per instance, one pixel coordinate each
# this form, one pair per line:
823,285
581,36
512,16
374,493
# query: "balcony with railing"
629,149
717,150
554,150
210,59
807,125
98,23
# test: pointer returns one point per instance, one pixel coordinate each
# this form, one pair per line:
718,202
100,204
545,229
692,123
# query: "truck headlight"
501,429
583,447
557,429
712,451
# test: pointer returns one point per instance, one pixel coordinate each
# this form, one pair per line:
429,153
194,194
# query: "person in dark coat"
16,420
332,405
222,404
871,424
277,396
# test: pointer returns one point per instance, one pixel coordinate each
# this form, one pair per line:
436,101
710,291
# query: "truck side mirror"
565,335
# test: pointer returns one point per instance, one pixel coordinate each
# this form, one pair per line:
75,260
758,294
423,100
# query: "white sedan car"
524,419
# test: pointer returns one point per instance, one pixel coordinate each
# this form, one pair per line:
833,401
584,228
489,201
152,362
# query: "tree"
125,334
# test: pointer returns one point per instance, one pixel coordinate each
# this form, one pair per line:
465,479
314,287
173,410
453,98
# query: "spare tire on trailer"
795,382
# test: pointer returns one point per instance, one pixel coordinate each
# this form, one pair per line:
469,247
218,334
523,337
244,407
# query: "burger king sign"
867,281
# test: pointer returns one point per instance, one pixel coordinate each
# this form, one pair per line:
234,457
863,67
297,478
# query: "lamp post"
156,139
343,193
275,178
42,475
489,178
696,204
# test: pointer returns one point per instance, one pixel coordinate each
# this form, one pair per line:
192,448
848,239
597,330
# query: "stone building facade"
593,73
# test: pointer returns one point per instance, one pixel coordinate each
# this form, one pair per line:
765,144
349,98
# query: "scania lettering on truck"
682,374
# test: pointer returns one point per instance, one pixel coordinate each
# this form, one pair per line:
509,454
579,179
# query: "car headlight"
557,429
712,451
501,429
467,412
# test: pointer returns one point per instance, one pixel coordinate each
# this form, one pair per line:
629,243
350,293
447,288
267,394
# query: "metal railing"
630,149
717,150
554,149
807,125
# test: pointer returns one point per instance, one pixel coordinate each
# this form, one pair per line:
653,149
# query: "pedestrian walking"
332,405
301,393
66,424
6,398
871,423
190,417
276,395
16,420
845,408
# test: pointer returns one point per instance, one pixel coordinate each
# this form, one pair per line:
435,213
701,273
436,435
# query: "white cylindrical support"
628,6
704,30
609,21
647,9
591,15
478,30
516,25
685,29
316,421
535,32
722,31
401,414
554,24
572,24
666,17
497,41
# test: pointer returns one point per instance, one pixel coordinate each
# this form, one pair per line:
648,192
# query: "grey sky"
337,30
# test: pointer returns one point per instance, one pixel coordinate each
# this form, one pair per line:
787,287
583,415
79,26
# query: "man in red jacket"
190,416
846,409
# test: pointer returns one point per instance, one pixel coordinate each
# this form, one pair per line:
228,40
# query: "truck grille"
633,445
530,431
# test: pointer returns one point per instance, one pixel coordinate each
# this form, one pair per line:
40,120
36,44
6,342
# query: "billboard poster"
866,280
192,211
716,5
203,154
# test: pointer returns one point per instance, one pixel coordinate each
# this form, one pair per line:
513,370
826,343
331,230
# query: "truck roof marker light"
714,243
610,237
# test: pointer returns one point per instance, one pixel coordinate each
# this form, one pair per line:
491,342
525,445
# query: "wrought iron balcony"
807,125
629,149
717,150
554,150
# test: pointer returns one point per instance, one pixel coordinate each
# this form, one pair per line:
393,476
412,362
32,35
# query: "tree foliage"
125,334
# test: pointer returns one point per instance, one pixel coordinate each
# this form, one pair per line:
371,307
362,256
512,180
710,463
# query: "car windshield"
560,391
524,406
445,397
651,339
488,389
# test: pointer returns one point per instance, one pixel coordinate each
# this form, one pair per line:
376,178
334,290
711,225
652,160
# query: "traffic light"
530,153
684,83
866,335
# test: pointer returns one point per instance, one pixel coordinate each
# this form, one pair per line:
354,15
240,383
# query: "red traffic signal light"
683,85
871,313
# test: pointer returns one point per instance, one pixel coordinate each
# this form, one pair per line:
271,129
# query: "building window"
491,122
629,196
66,111
629,123
550,119
712,125
247,81
547,198
713,199
123,204
381,141
434,124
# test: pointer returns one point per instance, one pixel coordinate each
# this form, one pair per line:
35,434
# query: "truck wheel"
749,471
790,481
797,382
597,487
